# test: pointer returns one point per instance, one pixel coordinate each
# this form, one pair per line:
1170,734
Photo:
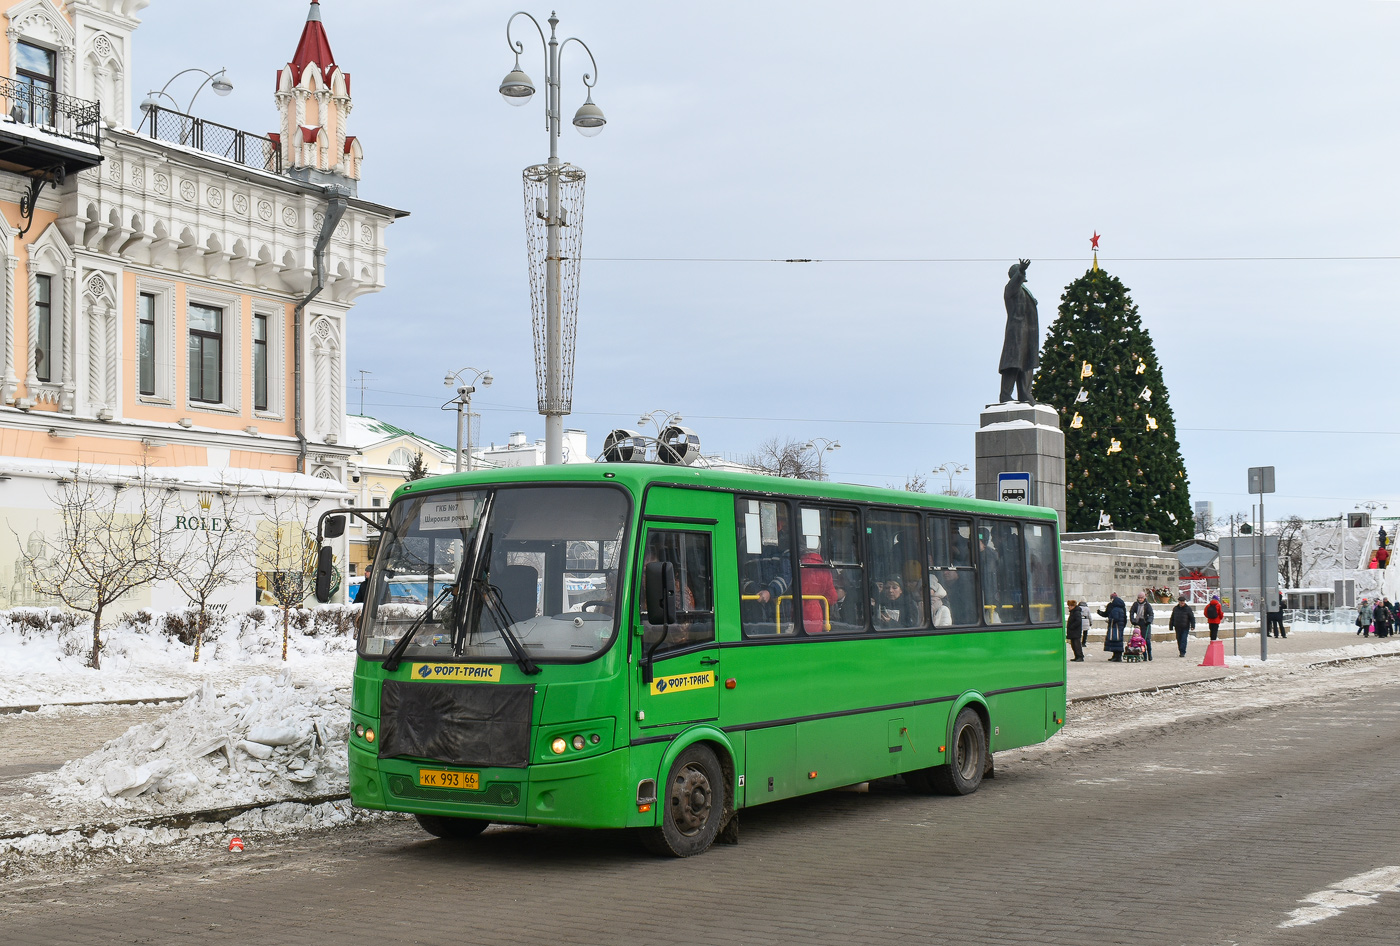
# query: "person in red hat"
1214,615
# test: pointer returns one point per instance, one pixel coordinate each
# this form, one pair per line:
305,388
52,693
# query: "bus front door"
683,658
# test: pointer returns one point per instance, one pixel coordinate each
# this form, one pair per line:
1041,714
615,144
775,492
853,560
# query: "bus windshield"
548,562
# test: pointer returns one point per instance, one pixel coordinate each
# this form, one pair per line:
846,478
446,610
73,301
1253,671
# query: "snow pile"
150,655
266,741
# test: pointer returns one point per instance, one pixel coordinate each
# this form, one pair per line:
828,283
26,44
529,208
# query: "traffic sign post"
1261,481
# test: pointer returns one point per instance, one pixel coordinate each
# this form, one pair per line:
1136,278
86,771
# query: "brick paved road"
1209,832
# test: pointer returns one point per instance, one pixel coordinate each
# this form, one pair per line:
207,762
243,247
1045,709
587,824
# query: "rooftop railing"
240,147
27,103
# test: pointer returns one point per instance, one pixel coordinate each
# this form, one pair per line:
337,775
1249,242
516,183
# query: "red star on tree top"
1094,241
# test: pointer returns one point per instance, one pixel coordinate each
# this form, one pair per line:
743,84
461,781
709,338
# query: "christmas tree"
1123,466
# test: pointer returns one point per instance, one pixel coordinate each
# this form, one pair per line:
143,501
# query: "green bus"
647,646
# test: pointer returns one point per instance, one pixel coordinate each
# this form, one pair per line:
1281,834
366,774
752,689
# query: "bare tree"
1290,551
1206,526
209,553
914,483
962,491
107,545
789,458
286,553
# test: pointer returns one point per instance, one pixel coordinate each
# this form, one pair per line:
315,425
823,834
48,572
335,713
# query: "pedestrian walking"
1117,616
1214,615
1141,616
1084,611
1183,621
1276,620
1363,618
1384,618
1074,630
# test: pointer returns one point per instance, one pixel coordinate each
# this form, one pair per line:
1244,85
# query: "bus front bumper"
587,793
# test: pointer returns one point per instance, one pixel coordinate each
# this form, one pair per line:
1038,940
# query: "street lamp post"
821,446
952,469
218,81
517,89
465,390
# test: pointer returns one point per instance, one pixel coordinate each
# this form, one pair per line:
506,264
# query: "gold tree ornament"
1087,371
1151,422
1142,366
1082,397
1078,422
1115,446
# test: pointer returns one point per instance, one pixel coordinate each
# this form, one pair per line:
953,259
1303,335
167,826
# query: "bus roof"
638,476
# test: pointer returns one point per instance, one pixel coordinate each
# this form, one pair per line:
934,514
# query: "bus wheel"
451,829
967,762
692,805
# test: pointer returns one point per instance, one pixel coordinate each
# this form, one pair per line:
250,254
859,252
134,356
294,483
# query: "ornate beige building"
175,292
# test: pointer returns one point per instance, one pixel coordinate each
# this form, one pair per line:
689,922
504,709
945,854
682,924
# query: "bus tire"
967,758
692,805
451,829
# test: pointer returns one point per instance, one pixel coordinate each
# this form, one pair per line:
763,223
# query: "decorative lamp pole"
465,390
822,446
218,81
554,268
952,469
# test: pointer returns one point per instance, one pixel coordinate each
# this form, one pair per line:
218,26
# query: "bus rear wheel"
451,829
967,760
692,805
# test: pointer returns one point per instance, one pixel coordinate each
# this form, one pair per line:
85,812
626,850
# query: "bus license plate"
440,778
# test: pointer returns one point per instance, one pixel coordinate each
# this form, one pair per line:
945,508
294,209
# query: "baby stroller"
1136,648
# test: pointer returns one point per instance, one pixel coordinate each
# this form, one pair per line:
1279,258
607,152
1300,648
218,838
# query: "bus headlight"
578,742
558,745
369,735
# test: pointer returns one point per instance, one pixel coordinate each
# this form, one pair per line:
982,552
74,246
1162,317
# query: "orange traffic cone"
1215,655
235,845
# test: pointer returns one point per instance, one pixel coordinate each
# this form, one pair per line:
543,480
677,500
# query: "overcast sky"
975,133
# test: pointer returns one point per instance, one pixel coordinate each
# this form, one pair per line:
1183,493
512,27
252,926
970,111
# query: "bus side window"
1001,556
896,570
1044,572
952,576
695,611
765,567
831,571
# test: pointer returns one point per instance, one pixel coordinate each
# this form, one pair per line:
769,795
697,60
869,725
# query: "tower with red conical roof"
313,100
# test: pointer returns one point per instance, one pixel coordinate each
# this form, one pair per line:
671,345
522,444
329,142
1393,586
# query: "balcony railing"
28,104
241,147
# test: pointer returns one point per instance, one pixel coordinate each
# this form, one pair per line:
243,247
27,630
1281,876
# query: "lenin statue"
1020,353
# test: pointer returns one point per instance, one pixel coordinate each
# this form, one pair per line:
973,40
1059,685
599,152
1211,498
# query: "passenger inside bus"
689,552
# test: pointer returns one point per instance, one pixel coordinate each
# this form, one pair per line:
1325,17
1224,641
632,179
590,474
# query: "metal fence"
241,147
31,104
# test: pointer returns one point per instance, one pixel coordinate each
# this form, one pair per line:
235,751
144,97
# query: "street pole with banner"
1261,481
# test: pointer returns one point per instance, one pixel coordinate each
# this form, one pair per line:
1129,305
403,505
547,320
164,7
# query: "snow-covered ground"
44,653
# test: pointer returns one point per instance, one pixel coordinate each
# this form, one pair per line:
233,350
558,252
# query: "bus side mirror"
661,592
325,569
335,527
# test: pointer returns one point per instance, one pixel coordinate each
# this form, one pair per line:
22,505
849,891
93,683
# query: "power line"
907,423
984,259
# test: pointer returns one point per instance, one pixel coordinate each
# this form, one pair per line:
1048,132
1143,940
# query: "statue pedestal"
1016,437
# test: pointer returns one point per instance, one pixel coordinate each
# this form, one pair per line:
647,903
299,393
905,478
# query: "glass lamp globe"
589,119
516,87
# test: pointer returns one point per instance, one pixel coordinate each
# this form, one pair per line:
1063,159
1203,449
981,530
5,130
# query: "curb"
1196,682
35,707
183,819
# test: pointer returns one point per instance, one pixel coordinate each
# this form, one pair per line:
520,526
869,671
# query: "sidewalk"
1097,677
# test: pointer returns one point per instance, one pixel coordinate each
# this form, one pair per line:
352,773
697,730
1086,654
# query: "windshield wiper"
395,654
482,594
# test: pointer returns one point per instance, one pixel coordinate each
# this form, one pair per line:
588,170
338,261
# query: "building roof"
362,431
315,47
